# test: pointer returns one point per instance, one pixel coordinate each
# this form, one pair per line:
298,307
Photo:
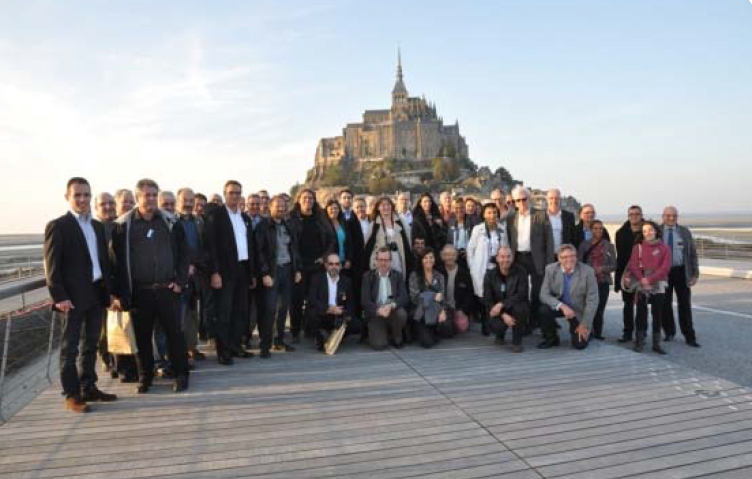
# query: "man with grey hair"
531,240
684,274
569,290
104,207
150,268
404,212
166,201
562,221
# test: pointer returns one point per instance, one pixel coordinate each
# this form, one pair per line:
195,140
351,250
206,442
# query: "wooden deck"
467,409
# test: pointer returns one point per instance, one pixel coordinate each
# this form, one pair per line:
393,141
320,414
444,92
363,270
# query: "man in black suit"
150,269
360,261
532,243
331,299
78,277
562,221
229,241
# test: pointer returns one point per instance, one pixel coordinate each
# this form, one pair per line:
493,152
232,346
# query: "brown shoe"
76,405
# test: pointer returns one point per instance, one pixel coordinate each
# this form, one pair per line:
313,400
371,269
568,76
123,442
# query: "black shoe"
113,374
484,329
180,384
241,353
296,339
669,338
693,343
549,343
625,338
95,395
599,337
499,340
142,389
166,372
399,345
225,360
265,354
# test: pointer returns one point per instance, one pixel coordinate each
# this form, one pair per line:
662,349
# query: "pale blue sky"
615,102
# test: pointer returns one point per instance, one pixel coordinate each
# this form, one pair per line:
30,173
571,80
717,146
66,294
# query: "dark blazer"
435,233
516,300
369,295
219,239
568,228
265,239
67,263
318,295
580,234
464,296
357,245
541,238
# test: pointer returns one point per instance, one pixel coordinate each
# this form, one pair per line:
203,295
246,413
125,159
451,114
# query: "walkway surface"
466,409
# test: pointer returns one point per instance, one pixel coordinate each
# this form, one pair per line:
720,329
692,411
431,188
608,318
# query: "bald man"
685,271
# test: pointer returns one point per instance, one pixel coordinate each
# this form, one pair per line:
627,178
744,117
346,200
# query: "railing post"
49,344
4,364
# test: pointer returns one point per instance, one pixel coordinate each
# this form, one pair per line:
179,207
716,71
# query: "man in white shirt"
403,210
331,299
562,222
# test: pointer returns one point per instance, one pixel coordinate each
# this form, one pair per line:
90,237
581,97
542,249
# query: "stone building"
409,130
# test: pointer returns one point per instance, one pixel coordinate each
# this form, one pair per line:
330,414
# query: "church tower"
399,92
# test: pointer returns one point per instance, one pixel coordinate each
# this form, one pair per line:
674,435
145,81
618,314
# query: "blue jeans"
276,302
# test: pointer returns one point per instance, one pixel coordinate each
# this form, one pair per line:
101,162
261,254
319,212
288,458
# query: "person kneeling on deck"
427,295
505,294
384,299
569,290
331,299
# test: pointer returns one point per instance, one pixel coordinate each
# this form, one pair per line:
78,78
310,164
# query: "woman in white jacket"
485,241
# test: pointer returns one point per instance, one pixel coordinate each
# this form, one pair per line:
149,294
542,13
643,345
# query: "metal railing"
723,243
28,338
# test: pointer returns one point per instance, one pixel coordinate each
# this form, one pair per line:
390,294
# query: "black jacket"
369,295
357,244
265,238
219,238
120,256
324,231
435,234
464,296
516,300
625,240
67,263
568,229
318,294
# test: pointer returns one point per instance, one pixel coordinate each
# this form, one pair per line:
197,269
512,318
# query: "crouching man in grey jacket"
569,290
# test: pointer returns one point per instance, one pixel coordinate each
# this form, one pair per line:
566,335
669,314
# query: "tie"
671,240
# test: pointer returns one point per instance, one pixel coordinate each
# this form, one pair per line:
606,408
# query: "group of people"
187,267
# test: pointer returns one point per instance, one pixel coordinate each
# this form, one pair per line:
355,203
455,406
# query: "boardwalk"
467,409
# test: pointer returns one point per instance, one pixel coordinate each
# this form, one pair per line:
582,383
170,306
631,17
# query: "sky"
614,102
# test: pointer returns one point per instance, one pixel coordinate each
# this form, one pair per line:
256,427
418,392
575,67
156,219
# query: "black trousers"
656,310
429,336
628,312
207,309
499,327
300,317
677,281
152,306
548,326
536,281
81,332
603,291
232,310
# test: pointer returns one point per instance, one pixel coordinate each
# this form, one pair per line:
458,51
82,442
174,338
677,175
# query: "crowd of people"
191,269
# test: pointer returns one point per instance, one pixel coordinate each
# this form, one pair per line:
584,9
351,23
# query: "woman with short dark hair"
598,253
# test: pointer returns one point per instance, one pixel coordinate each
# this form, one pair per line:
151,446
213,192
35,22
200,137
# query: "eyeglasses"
334,264
520,200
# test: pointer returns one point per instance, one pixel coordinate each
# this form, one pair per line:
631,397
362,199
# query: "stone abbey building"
409,130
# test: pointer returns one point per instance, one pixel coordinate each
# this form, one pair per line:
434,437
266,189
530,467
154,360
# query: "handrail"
23,286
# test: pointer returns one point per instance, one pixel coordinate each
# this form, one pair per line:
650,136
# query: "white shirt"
84,222
407,218
241,238
556,227
523,231
332,289
364,225
385,289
